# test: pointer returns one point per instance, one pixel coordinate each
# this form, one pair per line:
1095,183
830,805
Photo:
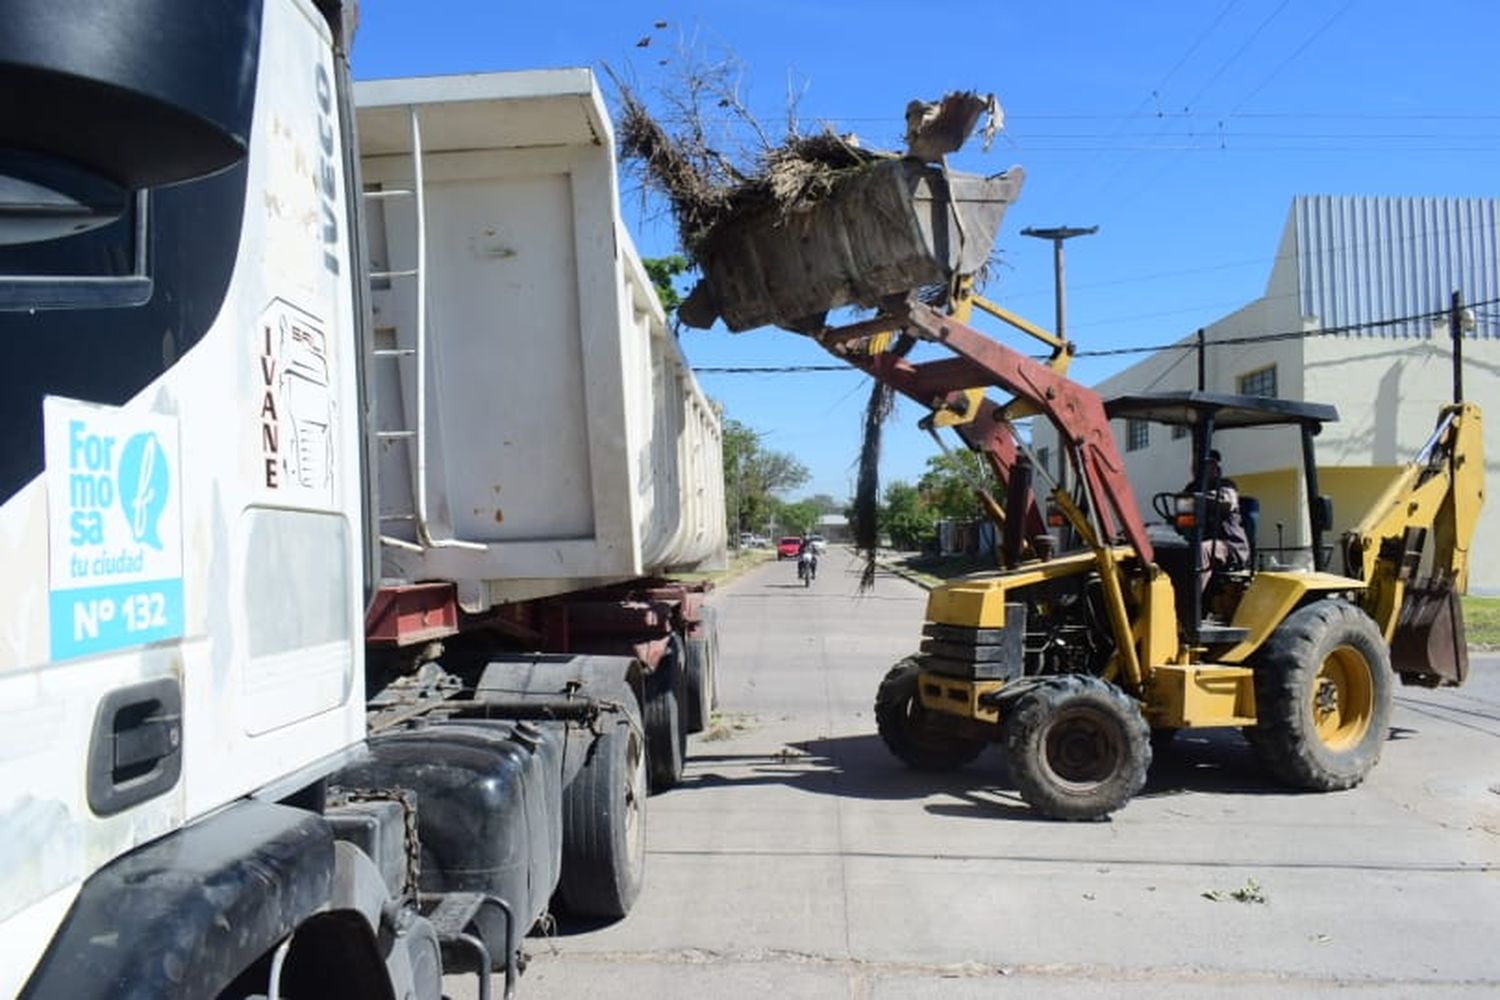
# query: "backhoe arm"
1436,498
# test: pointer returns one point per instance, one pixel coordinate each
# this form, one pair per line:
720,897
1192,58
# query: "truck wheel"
1322,697
604,825
711,636
696,682
666,733
904,725
1077,747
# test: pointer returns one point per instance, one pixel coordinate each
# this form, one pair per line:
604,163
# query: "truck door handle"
136,750
144,741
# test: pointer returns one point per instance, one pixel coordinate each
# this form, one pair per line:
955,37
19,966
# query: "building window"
1043,457
1261,382
1137,434
1180,431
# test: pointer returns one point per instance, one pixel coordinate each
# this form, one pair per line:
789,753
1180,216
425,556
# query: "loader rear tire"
1323,687
663,715
604,825
904,725
1077,747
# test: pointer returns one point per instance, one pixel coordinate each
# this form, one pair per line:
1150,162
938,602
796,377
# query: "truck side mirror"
126,104
1322,513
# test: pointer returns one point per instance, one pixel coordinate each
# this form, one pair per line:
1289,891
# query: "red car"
788,547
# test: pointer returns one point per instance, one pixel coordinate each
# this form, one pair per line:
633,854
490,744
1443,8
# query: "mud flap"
1429,647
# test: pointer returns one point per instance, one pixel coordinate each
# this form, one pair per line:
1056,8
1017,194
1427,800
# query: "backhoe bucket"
1429,648
888,229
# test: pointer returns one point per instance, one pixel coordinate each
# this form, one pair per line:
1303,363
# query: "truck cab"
303,687
180,497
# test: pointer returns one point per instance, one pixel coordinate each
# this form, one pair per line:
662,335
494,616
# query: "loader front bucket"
886,229
1429,648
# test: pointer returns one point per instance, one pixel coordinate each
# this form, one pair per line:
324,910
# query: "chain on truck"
347,452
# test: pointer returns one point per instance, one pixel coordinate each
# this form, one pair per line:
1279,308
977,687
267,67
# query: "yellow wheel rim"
1343,698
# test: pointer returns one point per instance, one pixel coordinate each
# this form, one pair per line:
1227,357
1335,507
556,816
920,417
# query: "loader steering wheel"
1164,505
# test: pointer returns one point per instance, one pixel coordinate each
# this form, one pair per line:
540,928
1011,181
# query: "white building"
1348,265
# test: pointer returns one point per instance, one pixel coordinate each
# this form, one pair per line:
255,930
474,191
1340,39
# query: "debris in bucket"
936,128
760,224
818,222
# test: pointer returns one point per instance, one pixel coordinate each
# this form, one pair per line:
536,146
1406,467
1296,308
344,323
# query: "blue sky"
1183,130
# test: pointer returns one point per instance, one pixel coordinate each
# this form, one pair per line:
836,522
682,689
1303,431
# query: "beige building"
1348,266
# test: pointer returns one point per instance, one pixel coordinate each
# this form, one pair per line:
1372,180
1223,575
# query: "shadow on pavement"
1217,762
861,767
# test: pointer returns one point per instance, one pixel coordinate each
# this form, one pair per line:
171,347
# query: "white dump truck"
347,450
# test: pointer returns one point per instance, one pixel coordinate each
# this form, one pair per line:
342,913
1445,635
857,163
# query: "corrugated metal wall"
1366,259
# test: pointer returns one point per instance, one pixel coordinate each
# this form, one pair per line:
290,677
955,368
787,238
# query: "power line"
1234,57
1264,338
1179,345
1207,115
1293,254
1297,52
769,369
1155,92
1116,177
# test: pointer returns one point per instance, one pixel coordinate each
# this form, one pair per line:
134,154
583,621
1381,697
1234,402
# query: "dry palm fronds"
879,408
706,185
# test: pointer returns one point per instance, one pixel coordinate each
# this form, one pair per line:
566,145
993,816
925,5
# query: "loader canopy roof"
1193,408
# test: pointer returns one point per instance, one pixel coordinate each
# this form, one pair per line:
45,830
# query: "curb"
909,575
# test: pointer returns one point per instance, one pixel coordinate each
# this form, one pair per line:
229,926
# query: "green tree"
906,516
948,484
798,518
825,504
753,475
662,271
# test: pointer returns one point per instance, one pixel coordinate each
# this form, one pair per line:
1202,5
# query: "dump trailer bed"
564,443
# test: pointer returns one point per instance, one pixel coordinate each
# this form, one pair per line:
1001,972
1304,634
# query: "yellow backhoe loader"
1098,639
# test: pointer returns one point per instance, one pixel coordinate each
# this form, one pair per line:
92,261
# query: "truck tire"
711,635
902,723
604,825
1077,747
1323,687
696,681
662,712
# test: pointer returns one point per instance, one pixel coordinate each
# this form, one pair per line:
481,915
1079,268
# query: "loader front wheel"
1077,747
1322,697
908,730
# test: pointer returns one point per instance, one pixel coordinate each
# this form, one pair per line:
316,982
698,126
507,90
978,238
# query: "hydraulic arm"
947,386
1412,550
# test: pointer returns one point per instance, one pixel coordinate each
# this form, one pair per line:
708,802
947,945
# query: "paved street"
799,859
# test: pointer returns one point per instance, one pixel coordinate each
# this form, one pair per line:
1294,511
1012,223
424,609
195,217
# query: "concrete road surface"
799,859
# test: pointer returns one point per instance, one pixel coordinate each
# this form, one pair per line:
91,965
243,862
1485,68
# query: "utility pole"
1202,366
1057,235
1456,331
739,516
